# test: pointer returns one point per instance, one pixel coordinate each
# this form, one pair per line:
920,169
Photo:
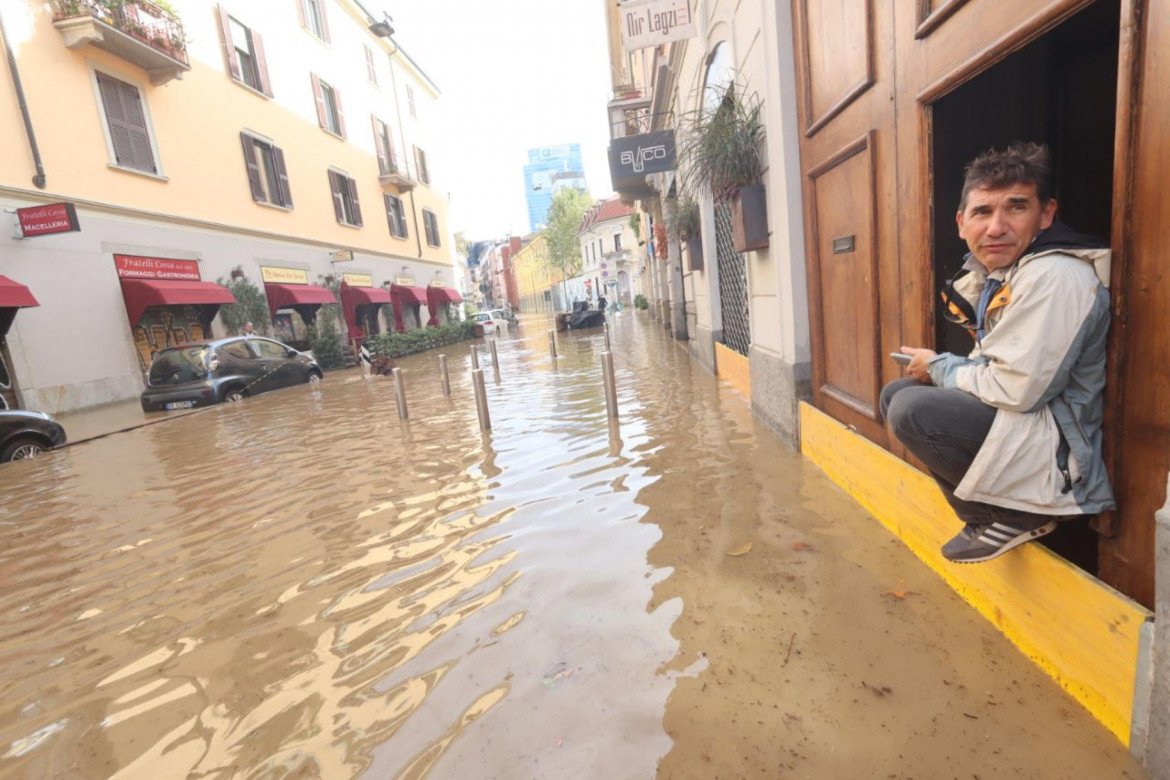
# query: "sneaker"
983,541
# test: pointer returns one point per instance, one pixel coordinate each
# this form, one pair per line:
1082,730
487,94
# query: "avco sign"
632,158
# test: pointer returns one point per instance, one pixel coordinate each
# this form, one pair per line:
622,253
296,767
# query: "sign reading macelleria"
647,23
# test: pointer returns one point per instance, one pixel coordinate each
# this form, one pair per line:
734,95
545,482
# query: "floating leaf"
747,548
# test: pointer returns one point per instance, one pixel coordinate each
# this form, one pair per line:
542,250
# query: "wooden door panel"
837,47
844,204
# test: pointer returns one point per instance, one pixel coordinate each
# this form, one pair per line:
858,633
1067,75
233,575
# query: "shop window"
245,54
431,223
345,199
395,215
127,125
420,160
267,174
313,18
384,147
329,114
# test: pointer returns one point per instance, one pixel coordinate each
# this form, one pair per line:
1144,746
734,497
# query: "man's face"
998,225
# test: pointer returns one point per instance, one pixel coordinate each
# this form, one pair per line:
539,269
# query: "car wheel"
234,396
22,449
314,378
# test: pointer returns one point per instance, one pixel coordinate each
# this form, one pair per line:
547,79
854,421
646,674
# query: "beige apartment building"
288,143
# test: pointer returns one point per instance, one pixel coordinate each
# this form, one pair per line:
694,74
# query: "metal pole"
495,356
611,406
607,348
474,358
481,405
400,393
444,380
552,345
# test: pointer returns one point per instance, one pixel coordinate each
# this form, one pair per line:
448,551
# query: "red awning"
416,296
141,293
15,296
283,296
444,295
363,296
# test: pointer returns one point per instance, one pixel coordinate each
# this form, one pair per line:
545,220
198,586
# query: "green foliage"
325,339
251,306
564,217
636,224
640,302
393,345
469,310
681,216
721,144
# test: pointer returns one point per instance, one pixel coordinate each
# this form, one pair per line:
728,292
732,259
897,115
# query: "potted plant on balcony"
721,155
683,225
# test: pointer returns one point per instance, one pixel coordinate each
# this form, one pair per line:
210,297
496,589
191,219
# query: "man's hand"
918,365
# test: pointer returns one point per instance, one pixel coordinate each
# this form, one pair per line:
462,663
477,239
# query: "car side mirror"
292,353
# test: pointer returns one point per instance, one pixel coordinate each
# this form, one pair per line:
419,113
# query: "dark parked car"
203,373
26,434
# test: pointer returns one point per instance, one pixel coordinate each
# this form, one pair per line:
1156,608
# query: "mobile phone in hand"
901,358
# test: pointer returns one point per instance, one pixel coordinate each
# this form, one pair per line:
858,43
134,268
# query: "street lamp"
383,29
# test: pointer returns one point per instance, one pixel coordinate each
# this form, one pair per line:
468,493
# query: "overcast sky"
514,75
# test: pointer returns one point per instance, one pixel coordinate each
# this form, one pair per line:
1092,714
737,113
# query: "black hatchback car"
203,373
27,434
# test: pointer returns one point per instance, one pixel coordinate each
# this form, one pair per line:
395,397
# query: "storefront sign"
654,22
45,220
438,283
137,267
404,281
633,157
342,255
277,275
358,280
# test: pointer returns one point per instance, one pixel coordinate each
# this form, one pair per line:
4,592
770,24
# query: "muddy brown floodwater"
304,586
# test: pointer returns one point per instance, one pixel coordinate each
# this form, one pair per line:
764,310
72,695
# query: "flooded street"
302,585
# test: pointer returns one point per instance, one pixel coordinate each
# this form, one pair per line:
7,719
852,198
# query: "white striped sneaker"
984,541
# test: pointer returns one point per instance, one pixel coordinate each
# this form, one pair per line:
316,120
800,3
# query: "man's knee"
891,390
905,410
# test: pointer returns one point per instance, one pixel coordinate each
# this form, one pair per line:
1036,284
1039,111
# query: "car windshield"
175,366
483,317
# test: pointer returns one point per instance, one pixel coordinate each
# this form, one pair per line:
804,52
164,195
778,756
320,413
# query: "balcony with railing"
392,173
143,33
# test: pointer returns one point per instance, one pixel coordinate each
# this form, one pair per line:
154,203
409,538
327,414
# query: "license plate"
179,405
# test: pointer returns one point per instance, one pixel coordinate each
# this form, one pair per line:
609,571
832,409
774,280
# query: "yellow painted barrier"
1079,630
732,367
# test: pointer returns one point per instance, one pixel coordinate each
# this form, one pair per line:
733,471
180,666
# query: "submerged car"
489,323
203,373
25,435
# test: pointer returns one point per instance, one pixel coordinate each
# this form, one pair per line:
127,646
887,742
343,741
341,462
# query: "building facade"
535,279
213,142
612,263
550,169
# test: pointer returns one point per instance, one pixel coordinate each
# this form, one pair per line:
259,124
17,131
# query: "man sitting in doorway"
1012,433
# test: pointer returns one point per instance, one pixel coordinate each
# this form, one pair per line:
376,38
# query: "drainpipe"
405,146
39,179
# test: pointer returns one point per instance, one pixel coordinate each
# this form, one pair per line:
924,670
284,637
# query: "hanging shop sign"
46,220
276,275
358,280
342,255
404,281
160,268
633,157
438,283
648,23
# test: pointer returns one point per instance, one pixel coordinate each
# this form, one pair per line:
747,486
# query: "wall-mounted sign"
654,22
278,275
162,268
404,281
46,220
358,280
633,157
438,283
342,255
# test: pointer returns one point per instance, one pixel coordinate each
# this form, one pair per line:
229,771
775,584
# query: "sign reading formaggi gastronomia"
275,275
160,268
648,23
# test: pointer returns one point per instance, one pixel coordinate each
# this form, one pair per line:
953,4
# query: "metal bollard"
495,356
611,405
607,348
474,358
444,380
400,393
552,345
481,405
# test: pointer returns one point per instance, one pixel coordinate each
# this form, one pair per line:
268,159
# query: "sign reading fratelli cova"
654,22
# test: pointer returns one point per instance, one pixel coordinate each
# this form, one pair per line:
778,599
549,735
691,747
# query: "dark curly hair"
1019,163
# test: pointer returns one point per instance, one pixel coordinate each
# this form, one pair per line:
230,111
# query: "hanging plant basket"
749,219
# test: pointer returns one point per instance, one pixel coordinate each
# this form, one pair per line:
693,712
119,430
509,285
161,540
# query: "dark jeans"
944,428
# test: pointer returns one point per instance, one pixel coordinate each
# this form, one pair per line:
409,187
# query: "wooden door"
845,59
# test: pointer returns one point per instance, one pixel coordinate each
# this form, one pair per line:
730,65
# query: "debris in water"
741,551
560,741
879,691
801,546
559,672
789,653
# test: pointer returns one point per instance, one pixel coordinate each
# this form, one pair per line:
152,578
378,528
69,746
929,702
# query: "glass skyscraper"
549,169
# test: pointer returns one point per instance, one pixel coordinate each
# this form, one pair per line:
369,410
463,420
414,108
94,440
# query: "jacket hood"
1061,239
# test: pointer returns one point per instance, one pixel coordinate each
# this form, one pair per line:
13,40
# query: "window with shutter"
267,174
420,159
329,102
126,122
382,145
431,224
345,199
395,215
313,12
371,68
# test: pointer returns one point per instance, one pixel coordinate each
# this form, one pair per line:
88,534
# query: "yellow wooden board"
732,367
1078,629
